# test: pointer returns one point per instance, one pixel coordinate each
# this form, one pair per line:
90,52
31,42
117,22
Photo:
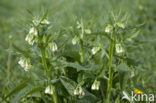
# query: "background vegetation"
140,57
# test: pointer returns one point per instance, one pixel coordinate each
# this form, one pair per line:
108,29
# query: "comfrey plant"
79,65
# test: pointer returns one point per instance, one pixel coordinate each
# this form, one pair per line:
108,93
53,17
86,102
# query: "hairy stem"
109,84
44,61
54,96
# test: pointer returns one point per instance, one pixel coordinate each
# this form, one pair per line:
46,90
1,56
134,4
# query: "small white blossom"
95,50
81,92
53,46
95,85
25,63
45,22
36,21
109,29
75,40
21,62
49,90
119,48
33,31
76,92
30,39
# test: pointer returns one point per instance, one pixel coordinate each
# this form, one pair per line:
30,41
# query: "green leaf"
69,84
17,89
28,90
124,72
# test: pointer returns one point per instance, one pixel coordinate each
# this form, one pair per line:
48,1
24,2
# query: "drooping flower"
109,29
75,40
95,85
36,21
30,39
81,92
25,63
45,22
33,31
119,48
76,92
49,90
95,50
121,25
53,46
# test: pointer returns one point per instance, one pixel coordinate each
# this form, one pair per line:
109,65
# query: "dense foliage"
77,51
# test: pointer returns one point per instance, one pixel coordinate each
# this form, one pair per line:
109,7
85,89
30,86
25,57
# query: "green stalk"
54,97
82,52
44,61
109,84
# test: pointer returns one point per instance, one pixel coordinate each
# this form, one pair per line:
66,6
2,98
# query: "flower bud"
36,21
75,40
53,46
45,22
76,92
121,25
109,29
95,50
119,48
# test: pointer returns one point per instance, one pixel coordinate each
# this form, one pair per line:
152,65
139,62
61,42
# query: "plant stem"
44,61
82,52
54,96
109,84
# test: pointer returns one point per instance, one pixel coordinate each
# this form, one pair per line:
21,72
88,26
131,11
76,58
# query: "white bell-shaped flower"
49,90
76,92
30,39
53,46
25,63
81,92
95,50
95,85
33,31
109,29
119,48
75,40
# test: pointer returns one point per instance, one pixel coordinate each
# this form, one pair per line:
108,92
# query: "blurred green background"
14,18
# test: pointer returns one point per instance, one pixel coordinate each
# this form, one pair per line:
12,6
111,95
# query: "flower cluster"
31,38
79,91
95,85
25,63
